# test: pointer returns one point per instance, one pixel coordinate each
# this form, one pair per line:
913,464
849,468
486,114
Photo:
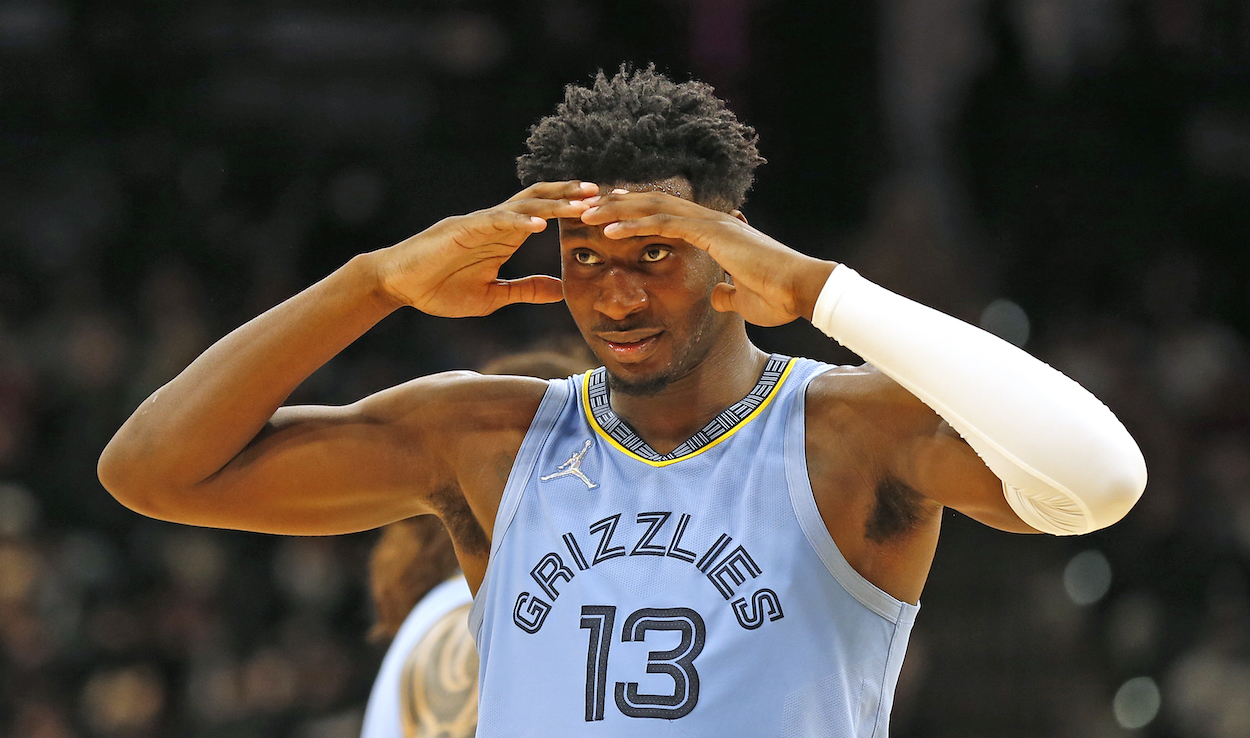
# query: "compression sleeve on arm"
1067,464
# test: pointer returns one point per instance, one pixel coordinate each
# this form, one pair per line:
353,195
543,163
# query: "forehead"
676,186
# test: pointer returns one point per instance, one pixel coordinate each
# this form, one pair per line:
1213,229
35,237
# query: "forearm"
1067,464
193,426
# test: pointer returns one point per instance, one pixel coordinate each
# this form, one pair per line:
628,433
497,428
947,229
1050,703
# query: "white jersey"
695,593
383,718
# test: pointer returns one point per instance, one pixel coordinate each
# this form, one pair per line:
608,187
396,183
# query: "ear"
738,214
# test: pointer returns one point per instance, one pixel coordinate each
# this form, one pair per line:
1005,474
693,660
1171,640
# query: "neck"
667,418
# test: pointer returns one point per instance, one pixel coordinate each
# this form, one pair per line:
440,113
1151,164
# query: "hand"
451,269
772,284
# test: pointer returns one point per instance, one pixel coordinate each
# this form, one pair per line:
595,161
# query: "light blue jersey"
695,593
384,710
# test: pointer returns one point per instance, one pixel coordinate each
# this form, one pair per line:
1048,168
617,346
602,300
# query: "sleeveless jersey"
694,593
383,718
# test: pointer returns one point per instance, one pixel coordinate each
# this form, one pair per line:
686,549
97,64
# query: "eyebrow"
576,231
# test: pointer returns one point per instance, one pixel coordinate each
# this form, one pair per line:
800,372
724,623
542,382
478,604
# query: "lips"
631,336
631,346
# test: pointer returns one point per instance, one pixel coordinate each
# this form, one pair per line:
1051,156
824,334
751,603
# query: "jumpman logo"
573,467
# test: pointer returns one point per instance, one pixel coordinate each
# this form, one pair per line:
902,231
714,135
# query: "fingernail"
619,191
611,228
588,211
591,200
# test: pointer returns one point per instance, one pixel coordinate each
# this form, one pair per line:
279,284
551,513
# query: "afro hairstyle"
640,126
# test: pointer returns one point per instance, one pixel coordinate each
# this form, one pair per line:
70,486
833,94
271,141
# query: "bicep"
319,471
944,468
322,470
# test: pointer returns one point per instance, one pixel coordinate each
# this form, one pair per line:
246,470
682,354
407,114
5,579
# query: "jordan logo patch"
573,467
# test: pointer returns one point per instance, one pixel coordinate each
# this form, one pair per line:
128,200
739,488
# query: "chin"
638,386
634,380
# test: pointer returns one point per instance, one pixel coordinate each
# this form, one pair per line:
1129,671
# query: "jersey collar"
595,401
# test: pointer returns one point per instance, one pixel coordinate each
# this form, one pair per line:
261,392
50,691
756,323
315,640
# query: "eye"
652,254
586,257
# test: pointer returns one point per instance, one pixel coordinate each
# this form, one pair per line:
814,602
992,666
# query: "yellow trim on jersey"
594,422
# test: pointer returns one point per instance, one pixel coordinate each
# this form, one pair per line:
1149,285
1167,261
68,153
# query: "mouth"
631,346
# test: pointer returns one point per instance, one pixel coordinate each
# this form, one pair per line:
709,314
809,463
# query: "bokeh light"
1087,577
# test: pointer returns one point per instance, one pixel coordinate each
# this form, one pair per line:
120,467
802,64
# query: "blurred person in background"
427,684
762,525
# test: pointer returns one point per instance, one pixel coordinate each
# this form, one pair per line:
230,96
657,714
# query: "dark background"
1071,174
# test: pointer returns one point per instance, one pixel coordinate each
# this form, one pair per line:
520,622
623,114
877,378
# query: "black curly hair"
640,126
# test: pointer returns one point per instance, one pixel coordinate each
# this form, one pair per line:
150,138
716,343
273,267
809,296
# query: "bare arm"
172,458
214,446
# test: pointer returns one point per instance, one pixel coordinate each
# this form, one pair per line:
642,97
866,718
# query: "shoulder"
847,383
458,398
861,396
863,432
454,422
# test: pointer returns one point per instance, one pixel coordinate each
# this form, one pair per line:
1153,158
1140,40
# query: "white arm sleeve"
1067,464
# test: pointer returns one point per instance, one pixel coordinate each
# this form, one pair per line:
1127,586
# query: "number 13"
677,663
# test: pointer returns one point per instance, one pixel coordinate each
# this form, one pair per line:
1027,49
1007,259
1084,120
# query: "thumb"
723,297
538,288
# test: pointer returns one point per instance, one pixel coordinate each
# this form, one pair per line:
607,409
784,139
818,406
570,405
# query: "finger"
498,219
723,297
495,224
662,225
536,289
525,227
568,190
621,205
548,209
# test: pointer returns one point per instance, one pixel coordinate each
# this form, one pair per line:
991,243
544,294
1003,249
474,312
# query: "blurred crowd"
1071,174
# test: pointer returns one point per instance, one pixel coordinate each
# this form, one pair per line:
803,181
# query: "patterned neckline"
611,426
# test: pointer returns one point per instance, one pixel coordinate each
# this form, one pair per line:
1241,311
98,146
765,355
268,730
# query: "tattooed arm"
439,683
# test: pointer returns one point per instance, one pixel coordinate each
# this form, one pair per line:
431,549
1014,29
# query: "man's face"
643,304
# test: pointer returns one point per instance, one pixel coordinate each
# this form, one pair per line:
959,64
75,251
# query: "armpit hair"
897,509
461,524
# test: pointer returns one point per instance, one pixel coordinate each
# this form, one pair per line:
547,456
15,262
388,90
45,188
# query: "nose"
621,294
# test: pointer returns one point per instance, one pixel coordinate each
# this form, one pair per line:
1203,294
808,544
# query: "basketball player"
427,682
698,537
